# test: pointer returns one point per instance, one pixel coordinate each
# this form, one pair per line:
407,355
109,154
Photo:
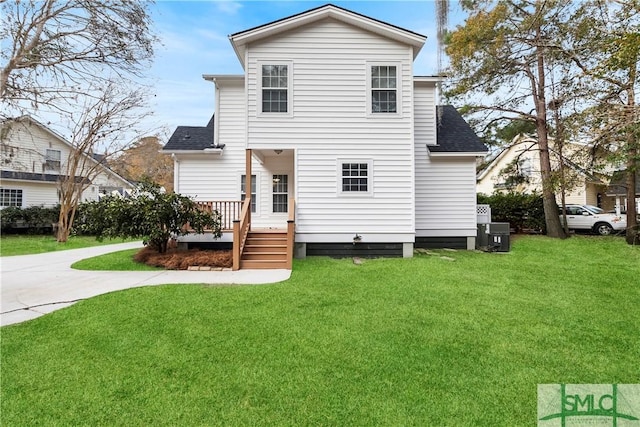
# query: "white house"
32,161
337,141
517,168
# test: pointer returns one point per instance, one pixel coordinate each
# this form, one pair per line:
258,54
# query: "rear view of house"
329,135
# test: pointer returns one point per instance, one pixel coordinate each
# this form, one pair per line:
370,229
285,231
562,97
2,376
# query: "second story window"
52,159
384,96
275,88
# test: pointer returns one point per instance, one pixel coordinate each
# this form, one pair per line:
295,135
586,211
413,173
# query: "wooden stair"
265,249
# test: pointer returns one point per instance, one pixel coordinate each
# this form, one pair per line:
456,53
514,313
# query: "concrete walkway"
33,285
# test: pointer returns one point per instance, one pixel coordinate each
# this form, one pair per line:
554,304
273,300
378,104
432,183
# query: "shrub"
151,215
32,220
521,211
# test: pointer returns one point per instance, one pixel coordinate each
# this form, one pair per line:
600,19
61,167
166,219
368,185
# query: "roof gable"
241,39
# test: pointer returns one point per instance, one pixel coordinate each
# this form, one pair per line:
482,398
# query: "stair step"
265,248
263,264
259,256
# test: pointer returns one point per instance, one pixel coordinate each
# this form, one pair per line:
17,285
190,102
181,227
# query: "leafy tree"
144,161
499,65
152,215
602,40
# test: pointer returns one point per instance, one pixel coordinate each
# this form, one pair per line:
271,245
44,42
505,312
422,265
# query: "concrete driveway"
34,285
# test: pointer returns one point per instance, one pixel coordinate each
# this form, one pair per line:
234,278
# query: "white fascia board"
429,79
206,151
460,154
221,79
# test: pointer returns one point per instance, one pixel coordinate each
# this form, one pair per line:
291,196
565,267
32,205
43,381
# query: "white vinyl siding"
425,113
330,121
445,195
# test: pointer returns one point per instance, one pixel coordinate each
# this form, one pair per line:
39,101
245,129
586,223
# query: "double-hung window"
280,193
384,92
355,177
275,90
10,197
243,190
52,159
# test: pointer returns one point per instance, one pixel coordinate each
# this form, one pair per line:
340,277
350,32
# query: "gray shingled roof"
41,177
454,133
191,138
618,184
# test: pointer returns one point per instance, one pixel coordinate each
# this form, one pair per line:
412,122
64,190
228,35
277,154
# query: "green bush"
31,220
521,211
151,215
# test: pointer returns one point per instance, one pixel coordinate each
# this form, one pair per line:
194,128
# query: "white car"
587,217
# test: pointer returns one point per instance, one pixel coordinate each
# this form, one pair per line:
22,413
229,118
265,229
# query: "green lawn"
422,341
25,244
114,261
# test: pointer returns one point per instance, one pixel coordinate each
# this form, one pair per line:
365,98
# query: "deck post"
248,183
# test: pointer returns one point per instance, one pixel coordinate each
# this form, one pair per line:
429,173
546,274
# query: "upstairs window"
52,159
10,197
275,88
384,96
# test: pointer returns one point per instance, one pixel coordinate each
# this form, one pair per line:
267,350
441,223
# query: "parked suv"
587,217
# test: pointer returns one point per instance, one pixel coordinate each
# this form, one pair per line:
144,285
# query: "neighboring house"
32,161
330,136
618,189
517,168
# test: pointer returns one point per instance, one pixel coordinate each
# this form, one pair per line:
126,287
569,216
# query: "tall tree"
602,40
499,66
143,161
81,60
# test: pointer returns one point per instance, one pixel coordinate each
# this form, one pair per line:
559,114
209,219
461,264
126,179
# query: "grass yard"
27,244
114,261
422,341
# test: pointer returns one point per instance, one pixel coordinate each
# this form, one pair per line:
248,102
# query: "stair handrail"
241,228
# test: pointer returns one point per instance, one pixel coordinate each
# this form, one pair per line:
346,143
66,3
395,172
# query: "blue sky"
194,37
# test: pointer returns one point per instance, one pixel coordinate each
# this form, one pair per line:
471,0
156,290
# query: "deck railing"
229,211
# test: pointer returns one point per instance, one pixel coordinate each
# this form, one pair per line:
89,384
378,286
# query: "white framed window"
355,177
275,88
383,83
280,193
10,197
52,159
243,188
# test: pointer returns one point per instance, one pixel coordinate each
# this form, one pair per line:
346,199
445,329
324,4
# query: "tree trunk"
633,232
551,211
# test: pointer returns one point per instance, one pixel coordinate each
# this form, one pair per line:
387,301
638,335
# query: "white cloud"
229,7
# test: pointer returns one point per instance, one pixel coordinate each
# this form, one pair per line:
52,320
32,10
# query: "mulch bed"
174,259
